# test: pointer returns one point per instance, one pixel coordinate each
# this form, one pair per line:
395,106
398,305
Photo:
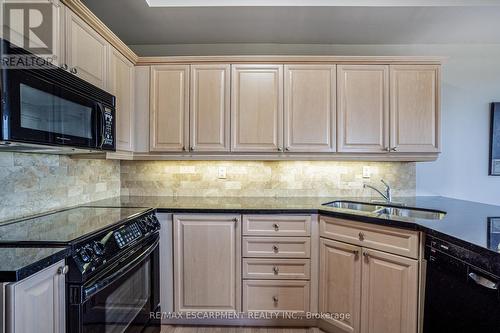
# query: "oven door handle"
89,291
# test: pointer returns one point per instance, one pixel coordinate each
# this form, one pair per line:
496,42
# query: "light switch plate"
367,172
222,173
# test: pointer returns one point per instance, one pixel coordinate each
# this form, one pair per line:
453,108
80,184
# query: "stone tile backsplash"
263,178
36,183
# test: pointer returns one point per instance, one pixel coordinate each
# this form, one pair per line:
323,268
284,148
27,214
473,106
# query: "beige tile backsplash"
262,178
35,183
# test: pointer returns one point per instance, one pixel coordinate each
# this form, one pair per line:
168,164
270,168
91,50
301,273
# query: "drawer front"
387,239
276,225
275,296
277,247
276,269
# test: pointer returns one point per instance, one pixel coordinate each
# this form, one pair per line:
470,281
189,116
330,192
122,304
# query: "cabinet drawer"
276,225
277,247
275,296
276,269
387,239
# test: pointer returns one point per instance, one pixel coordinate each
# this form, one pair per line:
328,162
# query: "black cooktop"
64,227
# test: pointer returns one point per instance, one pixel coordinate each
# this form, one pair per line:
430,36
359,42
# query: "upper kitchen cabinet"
169,111
257,108
363,108
87,52
121,84
415,104
309,118
209,109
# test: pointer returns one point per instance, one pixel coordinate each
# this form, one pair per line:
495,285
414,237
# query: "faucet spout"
388,191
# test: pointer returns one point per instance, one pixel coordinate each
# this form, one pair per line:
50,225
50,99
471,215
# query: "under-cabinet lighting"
316,3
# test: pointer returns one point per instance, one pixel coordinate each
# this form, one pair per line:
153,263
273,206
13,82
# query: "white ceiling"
137,23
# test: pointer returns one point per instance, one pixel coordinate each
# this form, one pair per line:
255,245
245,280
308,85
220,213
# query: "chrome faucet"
388,191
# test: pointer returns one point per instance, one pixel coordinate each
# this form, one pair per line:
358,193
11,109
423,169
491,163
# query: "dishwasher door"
459,298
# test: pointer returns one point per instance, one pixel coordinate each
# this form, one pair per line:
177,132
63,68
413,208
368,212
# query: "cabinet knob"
73,70
276,270
235,220
394,149
183,148
280,149
276,227
63,270
287,148
64,66
361,236
275,299
366,255
356,252
276,248
191,148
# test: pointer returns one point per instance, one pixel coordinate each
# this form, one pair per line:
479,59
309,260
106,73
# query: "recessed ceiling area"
136,23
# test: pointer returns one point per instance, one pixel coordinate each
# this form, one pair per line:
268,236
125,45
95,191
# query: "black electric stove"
112,273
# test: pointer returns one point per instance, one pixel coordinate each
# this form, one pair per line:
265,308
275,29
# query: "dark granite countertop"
466,223
19,263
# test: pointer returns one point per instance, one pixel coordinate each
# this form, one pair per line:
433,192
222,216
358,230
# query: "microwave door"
43,112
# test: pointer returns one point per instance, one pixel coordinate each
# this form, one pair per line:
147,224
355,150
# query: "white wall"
471,80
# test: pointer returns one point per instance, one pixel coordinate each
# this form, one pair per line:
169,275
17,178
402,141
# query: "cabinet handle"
276,227
73,70
280,149
235,220
361,236
394,149
63,270
287,148
64,66
276,270
275,299
366,255
356,252
276,248
183,148
191,148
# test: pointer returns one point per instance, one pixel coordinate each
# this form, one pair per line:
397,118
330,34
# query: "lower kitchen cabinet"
389,293
37,303
378,290
207,262
340,283
275,296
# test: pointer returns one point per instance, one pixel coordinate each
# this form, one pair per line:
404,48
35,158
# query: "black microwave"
48,109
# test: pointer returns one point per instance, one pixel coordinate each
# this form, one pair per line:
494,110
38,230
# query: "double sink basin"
390,210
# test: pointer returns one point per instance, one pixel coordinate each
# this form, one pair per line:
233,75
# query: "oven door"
121,299
40,110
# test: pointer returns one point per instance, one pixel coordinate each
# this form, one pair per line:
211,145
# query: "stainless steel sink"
419,213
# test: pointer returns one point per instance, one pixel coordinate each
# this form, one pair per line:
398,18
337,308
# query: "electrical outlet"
222,173
367,172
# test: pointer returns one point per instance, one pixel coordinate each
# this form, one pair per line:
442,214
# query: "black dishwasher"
459,297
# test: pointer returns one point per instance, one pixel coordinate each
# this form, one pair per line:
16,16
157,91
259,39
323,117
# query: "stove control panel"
127,235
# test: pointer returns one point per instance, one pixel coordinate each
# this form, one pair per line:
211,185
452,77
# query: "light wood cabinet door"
415,108
87,52
363,108
169,129
207,263
122,86
340,284
389,293
210,106
309,119
257,108
38,303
